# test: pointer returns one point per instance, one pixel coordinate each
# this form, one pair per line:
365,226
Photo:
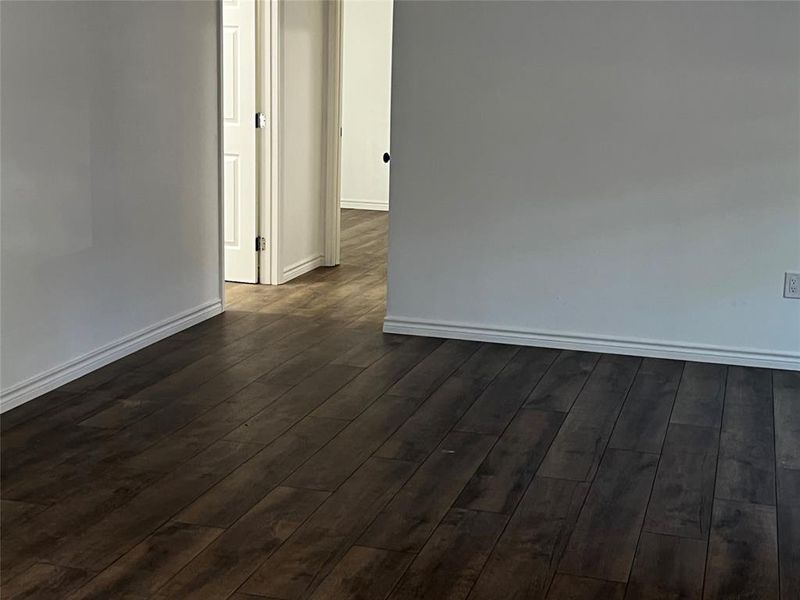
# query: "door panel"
239,165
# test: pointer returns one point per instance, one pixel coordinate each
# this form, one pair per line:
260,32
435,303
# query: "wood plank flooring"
287,449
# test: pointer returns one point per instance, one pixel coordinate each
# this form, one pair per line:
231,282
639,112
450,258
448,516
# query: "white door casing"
239,163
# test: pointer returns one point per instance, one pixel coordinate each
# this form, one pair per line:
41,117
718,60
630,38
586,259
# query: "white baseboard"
364,204
302,267
611,345
56,377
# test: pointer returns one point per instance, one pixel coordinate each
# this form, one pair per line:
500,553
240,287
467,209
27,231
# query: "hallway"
288,449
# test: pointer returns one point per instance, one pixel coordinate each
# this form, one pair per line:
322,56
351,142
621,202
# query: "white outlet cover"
791,285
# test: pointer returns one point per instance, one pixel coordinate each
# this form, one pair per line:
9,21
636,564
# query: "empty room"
399,299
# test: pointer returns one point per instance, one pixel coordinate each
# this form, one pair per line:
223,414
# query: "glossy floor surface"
288,449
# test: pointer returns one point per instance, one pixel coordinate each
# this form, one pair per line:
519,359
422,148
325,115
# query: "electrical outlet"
791,285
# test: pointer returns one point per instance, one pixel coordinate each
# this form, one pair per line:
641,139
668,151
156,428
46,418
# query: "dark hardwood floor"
288,449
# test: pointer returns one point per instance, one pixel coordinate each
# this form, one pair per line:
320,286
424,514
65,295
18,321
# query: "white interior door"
239,109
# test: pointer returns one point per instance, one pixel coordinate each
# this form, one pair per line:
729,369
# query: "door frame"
268,47
333,134
221,152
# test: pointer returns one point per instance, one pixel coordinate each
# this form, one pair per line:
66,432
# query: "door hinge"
261,243
261,120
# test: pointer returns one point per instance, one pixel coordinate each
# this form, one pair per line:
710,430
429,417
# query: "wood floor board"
354,397
408,520
124,412
109,372
223,329
579,445
742,552
12,510
308,556
746,470
101,543
667,566
448,565
261,363
231,558
364,574
483,366
45,479
127,384
291,407
206,373
340,457
503,476
120,446
44,581
204,429
563,382
374,347
38,433
604,541
288,449
683,492
355,293
229,499
525,558
373,318
789,532
230,414
359,302
786,393
218,374
150,564
498,404
700,395
317,355
434,369
38,536
643,420
422,432
49,484
570,587
35,408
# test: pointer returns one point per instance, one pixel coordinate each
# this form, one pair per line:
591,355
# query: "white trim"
220,156
302,267
332,133
265,138
593,343
275,121
58,376
365,204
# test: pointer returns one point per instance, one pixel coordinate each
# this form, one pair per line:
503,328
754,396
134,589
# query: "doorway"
366,103
292,158
278,164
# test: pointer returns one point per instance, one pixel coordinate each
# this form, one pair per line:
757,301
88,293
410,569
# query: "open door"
239,110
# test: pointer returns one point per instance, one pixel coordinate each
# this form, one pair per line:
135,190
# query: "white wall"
110,224
610,175
302,212
366,102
